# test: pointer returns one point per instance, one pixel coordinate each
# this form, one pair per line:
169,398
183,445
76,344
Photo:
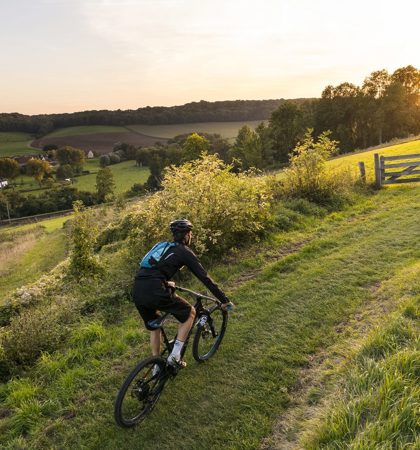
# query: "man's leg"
183,330
155,342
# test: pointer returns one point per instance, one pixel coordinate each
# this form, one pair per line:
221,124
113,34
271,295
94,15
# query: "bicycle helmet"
180,226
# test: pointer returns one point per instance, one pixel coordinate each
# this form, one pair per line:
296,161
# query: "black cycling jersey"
173,260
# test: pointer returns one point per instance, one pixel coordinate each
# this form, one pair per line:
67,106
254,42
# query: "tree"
38,168
71,156
376,83
286,128
143,156
104,183
409,77
114,158
65,171
9,168
104,161
194,146
247,148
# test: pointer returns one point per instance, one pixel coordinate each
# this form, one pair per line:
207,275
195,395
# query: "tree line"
203,111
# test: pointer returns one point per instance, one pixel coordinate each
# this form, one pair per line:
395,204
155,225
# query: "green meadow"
15,144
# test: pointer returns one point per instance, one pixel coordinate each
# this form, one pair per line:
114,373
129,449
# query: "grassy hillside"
301,287
225,129
303,297
14,144
351,161
30,251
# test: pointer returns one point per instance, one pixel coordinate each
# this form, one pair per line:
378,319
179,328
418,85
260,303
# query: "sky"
75,55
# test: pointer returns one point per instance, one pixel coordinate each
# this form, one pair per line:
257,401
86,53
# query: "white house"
90,154
3,183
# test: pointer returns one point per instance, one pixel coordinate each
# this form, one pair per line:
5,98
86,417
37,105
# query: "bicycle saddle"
157,323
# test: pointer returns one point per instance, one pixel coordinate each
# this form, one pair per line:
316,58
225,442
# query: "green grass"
49,225
351,161
378,399
225,129
33,251
125,175
15,144
90,129
287,310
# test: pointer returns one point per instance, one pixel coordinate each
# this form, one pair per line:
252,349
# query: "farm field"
90,138
82,130
227,130
125,174
15,144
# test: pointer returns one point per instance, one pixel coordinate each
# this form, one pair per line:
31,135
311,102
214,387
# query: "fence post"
378,169
362,171
382,168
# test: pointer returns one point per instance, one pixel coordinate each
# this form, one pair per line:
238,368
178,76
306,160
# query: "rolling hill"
335,293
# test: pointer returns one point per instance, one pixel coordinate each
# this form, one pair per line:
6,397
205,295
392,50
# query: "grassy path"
284,316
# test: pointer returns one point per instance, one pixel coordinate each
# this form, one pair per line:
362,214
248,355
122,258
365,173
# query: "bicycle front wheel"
209,335
140,392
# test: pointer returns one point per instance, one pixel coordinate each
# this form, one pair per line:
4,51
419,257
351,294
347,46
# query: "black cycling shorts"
151,296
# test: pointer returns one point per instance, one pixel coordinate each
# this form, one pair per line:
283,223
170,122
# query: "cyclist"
153,290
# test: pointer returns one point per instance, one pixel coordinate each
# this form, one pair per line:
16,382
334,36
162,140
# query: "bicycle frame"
201,312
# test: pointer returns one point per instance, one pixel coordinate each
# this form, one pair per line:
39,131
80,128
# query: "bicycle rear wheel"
209,334
140,392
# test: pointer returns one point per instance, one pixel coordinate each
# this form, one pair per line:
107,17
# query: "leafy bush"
104,160
224,207
65,171
309,178
83,263
114,158
36,331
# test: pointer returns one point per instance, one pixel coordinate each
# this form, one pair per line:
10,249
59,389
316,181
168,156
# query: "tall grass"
378,402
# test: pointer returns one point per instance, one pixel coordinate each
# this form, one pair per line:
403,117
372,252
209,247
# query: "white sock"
176,351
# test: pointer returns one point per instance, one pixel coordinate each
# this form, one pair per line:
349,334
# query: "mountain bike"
142,388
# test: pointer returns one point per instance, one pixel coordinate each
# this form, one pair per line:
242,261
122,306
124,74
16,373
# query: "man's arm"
193,263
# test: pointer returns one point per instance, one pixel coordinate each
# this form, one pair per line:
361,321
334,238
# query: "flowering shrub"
224,207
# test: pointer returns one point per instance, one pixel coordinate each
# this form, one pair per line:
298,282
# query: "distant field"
125,175
91,129
226,129
14,144
98,139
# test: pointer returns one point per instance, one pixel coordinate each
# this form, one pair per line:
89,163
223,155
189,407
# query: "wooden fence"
385,172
